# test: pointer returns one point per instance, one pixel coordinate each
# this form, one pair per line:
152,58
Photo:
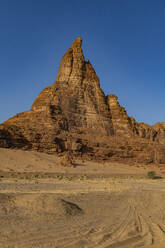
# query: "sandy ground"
43,205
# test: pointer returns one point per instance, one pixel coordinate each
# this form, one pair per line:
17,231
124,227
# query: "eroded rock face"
74,115
123,125
71,109
160,132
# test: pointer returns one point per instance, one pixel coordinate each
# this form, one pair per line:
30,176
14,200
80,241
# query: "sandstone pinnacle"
74,115
72,63
77,42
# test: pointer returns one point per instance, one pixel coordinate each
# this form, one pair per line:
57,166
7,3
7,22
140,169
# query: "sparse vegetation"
21,177
151,174
83,177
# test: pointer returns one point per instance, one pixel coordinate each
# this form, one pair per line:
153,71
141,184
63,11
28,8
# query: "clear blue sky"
123,39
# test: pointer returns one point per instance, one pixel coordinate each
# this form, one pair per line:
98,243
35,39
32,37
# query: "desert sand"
102,205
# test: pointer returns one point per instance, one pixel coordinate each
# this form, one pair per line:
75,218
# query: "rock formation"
74,115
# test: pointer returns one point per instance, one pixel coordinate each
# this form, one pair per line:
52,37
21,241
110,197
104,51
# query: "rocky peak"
72,64
74,114
76,98
77,43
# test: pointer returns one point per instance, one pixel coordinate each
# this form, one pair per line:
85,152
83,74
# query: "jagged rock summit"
74,115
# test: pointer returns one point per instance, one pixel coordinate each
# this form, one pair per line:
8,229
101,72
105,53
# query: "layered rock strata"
74,115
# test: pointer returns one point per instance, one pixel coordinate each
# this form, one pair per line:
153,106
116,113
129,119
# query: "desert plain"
102,205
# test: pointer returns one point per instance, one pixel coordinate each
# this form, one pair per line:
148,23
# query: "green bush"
151,174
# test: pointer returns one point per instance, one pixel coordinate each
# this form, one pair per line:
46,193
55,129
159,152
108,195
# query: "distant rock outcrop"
74,115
